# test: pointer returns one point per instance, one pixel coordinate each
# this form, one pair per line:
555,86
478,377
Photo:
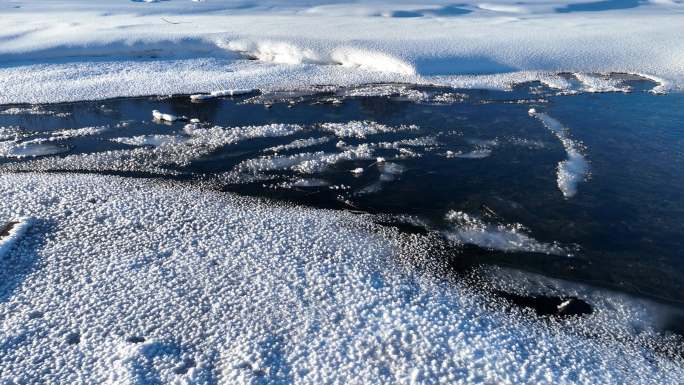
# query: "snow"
575,168
65,50
150,282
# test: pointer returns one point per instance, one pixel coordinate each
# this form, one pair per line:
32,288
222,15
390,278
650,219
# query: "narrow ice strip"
150,140
467,229
10,233
358,129
299,144
30,148
160,116
575,168
77,132
221,93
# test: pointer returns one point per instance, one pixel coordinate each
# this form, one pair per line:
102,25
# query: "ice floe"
575,168
356,129
468,229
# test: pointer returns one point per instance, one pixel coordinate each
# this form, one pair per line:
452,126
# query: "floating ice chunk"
31,148
310,182
232,92
165,117
597,83
299,143
150,140
467,229
575,168
379,160
77,132
357,171
358,129
474,154
11,232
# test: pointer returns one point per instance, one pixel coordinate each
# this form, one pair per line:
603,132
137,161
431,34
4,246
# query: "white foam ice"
160,116
468,229
150,140
158,283
575,168
362,129
474,154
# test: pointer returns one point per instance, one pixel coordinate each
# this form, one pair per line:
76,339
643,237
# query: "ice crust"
62,50
124,281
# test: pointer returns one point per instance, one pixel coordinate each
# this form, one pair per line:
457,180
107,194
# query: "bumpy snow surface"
59,50
124,281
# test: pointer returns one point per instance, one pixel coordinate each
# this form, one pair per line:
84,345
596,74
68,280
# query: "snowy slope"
110,285
54,50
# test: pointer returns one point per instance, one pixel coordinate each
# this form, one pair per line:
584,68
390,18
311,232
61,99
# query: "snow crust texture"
66,50
125,281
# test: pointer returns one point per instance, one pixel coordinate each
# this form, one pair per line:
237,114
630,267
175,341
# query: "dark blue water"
479,154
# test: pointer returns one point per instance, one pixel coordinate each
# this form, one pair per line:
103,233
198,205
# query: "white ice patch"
160,116
575,168
298,144
219,94
29,149
361,130
467,229
68,133
151,283
150,140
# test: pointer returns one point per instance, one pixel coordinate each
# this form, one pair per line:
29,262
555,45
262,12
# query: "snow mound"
156,283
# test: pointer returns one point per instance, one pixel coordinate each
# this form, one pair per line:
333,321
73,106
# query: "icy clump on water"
299,143
30,148
467,229
129,281
575,168
361,130
150,140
